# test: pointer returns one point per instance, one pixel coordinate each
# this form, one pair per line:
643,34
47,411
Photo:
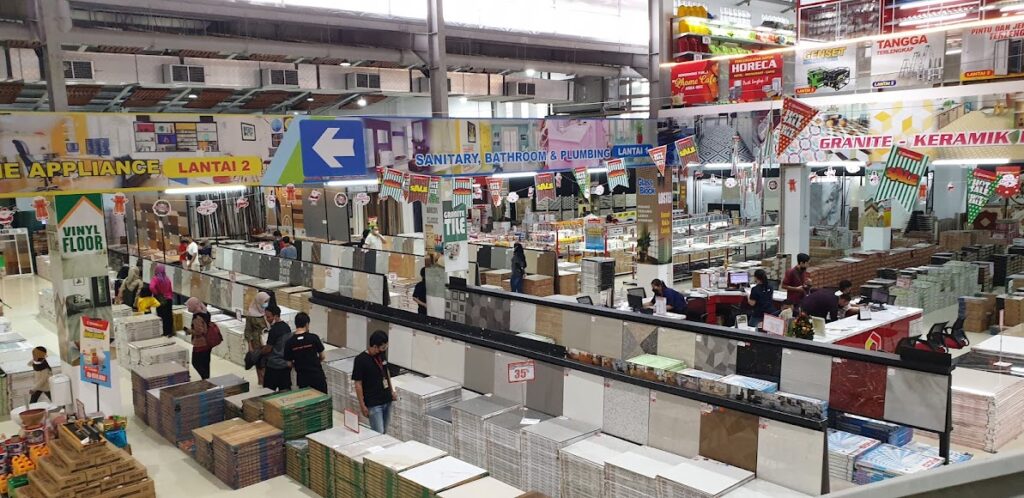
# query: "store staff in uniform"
796,282
419,293
373,382
845,287
824,303
278,376
304,352
674,300
762,299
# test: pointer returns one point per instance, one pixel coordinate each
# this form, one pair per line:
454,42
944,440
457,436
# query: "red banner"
755,78
658,156
686,148
1008,183
796,116
545,183
695,82
419,188
494,190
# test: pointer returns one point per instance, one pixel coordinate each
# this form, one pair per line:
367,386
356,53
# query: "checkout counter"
881,333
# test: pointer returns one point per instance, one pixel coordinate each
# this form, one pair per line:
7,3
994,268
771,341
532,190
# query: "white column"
796,210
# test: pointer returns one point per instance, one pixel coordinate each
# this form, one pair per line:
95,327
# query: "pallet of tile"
634,474
132,354
321,455
232,384
415,399
189,406
538,285
468,432
248,454
540,445
339,384
504,443
701,477
381,469
348,464
203,439
296,458
430,479
582,464
149,377
252,408
233,405
439,428
987,408
298,413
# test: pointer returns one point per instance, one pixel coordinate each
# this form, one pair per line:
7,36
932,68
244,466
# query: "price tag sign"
522,371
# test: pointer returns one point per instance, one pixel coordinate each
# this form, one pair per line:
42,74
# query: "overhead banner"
654,213
755,78
796,116
95,346
545,188
825,70
617,175
903,171
462,192
686,150
582,175
455,237
908,61
982,184
658,156
992,52
419,188
1008,184
391,185
435,192
593,234
694,82
494,189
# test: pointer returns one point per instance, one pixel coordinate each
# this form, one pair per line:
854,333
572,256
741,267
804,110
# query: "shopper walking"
255,325
304,353
762,299
287,249
41,373
796,282
205,256
130,287
373,382
419,293
518,267
278,376
191,253
163,291
201,336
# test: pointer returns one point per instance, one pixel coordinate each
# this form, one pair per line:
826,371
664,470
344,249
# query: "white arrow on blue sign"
332,148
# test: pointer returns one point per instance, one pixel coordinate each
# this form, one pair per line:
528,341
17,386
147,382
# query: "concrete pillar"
437,50
53,21
659,50
796,209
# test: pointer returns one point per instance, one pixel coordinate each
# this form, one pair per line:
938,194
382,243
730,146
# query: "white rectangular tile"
583,397
790,456
523,317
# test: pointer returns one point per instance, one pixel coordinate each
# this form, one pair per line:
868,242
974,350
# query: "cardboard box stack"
568,283
247,454
298,413
1013,309
348,465
203,449
320,453
134,328
978,311
296,460
861,266
954,240
149,377
189,406
495,277
1005,265
538,285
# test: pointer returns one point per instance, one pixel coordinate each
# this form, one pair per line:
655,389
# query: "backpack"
213,336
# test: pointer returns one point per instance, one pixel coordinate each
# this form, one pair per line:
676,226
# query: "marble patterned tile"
337,327
455,305
238,297
345,257
606,336
759,360
806,374
677,344
918,398
400,346
715,354
545,393
858,388
729,436
522,317
531,261
638,339
515,392
332,278
383,262
315,252
576,329
427,352
674,424
285,269
271,268
791,456
375,289
479,370
583,397
357,326
453,360
359,285
549,323
626,411
345,279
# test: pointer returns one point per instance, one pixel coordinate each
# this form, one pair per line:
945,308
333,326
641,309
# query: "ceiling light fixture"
220,189
933,20
594,171
825,164
345,64
310,99
463,100
1012,8
927,3
984,161
193,96
351,183
531,72
520,174
361,102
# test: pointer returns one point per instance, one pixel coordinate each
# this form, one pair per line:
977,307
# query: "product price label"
522,371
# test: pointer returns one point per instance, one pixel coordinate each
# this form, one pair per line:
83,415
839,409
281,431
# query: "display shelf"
728,25
729,39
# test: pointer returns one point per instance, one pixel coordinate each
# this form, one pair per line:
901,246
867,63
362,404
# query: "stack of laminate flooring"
248,454
149,377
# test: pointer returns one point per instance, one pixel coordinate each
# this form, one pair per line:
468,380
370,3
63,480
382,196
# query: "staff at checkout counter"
824,303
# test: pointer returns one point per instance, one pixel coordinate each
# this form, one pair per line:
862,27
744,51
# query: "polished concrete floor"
177,474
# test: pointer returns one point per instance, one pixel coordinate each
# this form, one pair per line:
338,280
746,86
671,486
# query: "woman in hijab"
255,324
518,268
163,291
200,345
130,287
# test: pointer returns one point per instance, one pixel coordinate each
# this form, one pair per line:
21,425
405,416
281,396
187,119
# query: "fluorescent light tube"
351,183
825,164
980,161
518,174
933,20
204,190
727,165
594,171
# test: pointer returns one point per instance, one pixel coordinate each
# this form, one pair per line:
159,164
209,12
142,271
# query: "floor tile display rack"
405,265
786,447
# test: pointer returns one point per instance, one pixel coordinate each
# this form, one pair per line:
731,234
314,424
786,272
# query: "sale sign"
658,156
462,193
617,175
796,116
695,82
1008,184
978,192
582,175
391,184
494,190
521,371
545,183
686,148
754,78
419,188
95,347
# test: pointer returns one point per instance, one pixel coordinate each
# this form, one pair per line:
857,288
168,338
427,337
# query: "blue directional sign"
332,148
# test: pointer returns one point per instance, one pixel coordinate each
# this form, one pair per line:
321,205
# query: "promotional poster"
755,78
996,52
908,61
695,82
825,70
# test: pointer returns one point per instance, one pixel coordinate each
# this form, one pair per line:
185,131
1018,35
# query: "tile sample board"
729,436
549,323
715,355
674,424
479,371
790,456
583,397
638,339
678,344
919,398
523,317
760,361
400,346
545,393
582,464
452,360
634,474
806,374
626,411
541,443
575,331
858,387
700,477
502,387
486,486
606,337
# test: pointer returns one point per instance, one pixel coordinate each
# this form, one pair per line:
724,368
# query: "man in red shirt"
796,281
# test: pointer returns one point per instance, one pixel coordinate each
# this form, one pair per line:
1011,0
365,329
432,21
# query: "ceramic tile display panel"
271,268
400,346
332,277
638,339
479,371
760,361
347,256
515,392
372,326
576,328
356,325
549,323
319,321
522,317
483,257
858,387
337,218
337,326
455,305
358,259
319,278
531,261
583,397
501,258
395,263
545,393
806,374
547,263
359,285
426,352
345,278
488,312
313,251
452,364
383,263
195,285
314,217
674,424
306,273
238,297
790,456
626,411
715,354
375,288
677,344
606,336
370,261
918,398
729,436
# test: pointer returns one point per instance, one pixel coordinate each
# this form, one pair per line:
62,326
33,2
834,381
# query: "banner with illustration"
495,190
755,78
979,191
658,156
694,82
544,184
617,175
582,175
825,70
908,61
419,188
992,52
462,192
1008,183
95,345
391,185
901,177
796,116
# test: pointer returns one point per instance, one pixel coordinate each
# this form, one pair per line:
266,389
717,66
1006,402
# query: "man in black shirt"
278,376
373,382
824,303
762,299
304,352
419,293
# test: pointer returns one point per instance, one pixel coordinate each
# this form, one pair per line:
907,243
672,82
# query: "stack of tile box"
235,346
132,329
149,377
348,465
538,285
233,405
203,440
415,399
468,431
296,460
1013,309
382,468
987,408
429,479
298,413
582,464
634,474
189,406
321,455
540,445
954,240
504,443
18,379
861,266
248,454
232,384
1006,264
597,274
495,277
439,428
978,311
133,354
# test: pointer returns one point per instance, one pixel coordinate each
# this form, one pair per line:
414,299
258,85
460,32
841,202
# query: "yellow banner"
194,167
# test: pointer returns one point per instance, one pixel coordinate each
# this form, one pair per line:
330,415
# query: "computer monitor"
640,291
636,301
880,296
737,278
892,299
584,300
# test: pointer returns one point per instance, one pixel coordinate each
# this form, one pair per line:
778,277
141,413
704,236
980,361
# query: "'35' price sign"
522,371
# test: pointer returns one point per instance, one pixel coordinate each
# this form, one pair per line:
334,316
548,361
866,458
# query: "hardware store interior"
654,248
